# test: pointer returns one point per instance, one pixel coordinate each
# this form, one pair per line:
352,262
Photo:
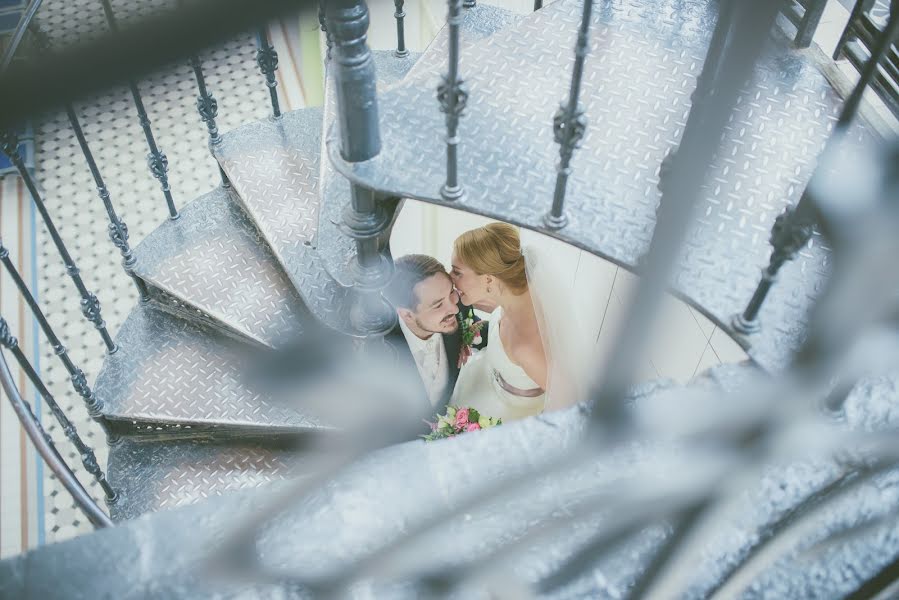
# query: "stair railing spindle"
401,50
88,458
156,159
793,228
118,230
209,110
90,305
570,123
267,59
44,445
78,378
453,96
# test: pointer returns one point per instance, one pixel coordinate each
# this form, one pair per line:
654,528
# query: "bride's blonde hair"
494,249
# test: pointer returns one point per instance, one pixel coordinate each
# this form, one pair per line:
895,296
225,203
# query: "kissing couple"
531,355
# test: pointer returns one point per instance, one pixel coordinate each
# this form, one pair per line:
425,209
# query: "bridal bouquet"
459,420
471,329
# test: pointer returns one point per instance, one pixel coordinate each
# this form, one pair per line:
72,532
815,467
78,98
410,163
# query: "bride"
533,357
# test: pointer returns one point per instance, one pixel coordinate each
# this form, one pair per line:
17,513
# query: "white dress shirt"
430,358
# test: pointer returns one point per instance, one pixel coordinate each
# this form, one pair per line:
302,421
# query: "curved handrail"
50,455
19,33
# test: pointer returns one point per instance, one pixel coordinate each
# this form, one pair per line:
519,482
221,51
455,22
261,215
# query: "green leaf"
473,415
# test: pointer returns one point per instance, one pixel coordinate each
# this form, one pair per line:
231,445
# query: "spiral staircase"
248,266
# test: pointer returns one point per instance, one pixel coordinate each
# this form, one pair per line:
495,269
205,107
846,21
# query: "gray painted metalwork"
208,109
806,21
214,261
452,94
267,59
118,230
88,458
44,445
401,50
322,23
476,24
368,221
164,475
274,168
156,159
90,305
9,51
570,123
336,249
172,372
793,228
717,271
79,380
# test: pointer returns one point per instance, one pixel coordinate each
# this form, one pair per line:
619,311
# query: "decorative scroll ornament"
569,130
159,165
7,339
452,98
267,59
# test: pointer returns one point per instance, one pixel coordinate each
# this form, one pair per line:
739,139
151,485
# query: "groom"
427,337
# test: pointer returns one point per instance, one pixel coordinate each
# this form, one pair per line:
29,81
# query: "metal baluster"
79,380
805,31
267,59
569,123
44,445
793,227
357,107
861,6
90,305
118,230
453,96
88,458
538,4
469,3
156,159
209,110
399,15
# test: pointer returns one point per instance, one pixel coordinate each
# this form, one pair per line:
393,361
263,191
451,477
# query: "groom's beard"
450,327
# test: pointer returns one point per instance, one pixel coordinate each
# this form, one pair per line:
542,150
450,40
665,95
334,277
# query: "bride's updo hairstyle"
494,249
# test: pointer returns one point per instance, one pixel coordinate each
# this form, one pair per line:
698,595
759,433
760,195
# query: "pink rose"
477,339
461,418
472,427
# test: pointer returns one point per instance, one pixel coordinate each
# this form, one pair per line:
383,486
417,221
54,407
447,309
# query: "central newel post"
360,140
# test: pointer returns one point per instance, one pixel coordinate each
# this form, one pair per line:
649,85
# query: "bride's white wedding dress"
491,383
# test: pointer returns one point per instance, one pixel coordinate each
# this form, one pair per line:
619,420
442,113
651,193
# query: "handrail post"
267,60
360,140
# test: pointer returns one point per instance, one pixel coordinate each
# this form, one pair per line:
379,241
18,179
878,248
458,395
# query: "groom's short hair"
411,270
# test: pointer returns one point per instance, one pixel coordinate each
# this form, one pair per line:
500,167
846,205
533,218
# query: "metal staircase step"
274,168
181,379
337,250
478,23
384,495
160,475
212,266
640,72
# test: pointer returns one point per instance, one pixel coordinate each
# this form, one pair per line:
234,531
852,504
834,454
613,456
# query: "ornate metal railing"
805,15
860,39
736,44
118,233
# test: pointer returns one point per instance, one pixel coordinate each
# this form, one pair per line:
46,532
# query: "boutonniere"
471,334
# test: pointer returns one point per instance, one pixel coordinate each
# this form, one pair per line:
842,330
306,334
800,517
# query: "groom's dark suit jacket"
453,344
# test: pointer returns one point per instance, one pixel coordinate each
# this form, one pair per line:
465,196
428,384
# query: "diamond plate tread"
213,260
168,371
640,71
274,167
478,23
337,250
152,476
